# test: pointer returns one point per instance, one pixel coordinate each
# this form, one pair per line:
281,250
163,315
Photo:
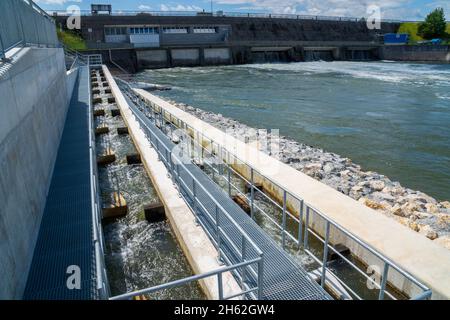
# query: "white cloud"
144,7
347,8
180,7
57,2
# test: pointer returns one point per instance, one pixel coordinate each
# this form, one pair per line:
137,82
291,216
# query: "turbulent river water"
393,118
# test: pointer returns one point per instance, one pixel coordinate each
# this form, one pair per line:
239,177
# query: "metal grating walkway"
284,278
65,235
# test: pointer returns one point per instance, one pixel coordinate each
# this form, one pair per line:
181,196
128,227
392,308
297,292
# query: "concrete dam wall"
434,53
285,30
176,41
242,29
34,99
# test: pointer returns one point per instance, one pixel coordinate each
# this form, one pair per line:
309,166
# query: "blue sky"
396,9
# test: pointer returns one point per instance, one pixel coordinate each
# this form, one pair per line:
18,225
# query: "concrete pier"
103,129
155,212
106,158
118,207
122,130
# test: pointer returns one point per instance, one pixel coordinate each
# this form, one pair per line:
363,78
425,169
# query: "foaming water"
388,117
139,254
389,72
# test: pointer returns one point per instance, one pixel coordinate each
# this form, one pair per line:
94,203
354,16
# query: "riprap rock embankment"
414,209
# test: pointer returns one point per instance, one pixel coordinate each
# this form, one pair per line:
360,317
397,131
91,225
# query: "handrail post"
194,193
260,276
220,285
283,234
219,241
157,150
229,179
300,223
252,193
383,281
177,169
2,52
171,166
305,240
243,257
220,160
325,255
153,112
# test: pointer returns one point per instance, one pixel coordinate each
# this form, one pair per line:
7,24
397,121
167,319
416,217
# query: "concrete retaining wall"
185,57
152,59
217,55
437,53
126,58
33,106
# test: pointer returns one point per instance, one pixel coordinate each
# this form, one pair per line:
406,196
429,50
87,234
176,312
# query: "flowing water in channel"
139,254
392,118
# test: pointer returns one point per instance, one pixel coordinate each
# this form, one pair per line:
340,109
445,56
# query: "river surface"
392,118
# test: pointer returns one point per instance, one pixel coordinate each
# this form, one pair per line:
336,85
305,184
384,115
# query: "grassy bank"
71,40
411,28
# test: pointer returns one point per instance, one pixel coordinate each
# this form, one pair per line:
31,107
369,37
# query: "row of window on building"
144,31
112,31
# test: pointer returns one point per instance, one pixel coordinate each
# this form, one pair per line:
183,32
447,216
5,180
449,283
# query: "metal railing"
102,284
303,233
94,60
77,59
182,282
224,14
23,23
74,59
241,258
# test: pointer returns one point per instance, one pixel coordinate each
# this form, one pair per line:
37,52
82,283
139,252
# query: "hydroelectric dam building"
139,40
58,129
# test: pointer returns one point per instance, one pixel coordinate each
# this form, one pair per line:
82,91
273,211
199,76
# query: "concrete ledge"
118,207
103,129
122,130
194,242
427,261
106,158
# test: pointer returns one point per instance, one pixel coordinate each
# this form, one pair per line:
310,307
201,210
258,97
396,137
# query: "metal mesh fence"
23,23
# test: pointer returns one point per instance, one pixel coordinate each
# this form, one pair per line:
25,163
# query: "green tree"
434,25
